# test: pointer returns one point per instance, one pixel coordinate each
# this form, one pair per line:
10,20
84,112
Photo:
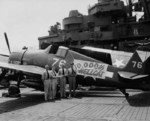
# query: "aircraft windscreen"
52,49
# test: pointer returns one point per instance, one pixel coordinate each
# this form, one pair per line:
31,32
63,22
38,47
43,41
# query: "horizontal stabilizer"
131,76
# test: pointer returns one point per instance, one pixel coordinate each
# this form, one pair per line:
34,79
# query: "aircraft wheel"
14,91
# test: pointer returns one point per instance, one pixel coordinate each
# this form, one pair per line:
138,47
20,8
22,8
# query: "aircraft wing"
24,68
131,76
4,58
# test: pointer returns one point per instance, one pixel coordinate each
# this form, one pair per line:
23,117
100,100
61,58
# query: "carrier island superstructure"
110,24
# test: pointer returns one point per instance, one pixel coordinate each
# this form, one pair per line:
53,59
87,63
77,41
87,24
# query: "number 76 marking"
56,60
137,64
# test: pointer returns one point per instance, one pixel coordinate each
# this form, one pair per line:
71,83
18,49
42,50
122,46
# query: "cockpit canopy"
58,50
62,51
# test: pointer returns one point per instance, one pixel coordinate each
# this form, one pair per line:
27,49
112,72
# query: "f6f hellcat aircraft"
90,71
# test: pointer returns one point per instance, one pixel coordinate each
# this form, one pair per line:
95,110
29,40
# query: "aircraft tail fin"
137,63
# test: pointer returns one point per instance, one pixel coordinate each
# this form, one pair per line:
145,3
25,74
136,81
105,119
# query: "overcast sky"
26,20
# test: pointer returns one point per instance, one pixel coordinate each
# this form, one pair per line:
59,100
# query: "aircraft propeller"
6,38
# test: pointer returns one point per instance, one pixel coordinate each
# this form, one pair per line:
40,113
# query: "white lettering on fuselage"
91,69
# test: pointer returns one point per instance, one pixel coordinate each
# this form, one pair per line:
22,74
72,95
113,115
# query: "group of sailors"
56,82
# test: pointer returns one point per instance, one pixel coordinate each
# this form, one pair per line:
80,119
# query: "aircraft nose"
16,57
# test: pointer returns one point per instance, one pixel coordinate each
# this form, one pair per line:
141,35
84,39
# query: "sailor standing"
53,78
62,73
47,83
72,79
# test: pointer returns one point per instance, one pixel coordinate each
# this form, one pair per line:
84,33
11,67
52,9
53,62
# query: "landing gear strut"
14,90
2,75
124,92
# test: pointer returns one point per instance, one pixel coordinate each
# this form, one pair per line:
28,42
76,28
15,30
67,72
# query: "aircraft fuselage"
90,71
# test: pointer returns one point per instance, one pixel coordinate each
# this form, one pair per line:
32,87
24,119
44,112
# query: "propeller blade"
4,55
7,42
